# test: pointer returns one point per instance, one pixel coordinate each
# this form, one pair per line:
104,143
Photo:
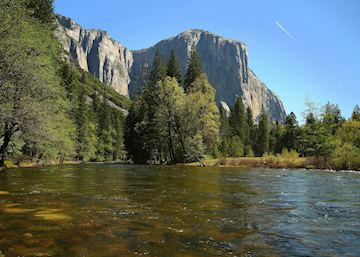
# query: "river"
120,210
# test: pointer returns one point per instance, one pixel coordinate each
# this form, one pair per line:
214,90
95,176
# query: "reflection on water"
110,210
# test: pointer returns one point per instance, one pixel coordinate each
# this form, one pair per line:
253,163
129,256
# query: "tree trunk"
171,146
5,144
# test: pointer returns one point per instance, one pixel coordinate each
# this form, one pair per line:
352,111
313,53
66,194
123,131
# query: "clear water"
114,210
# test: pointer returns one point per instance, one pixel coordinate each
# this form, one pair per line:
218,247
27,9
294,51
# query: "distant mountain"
225,61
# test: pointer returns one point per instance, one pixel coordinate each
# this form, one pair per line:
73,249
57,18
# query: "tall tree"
173,67
85,129
200,118
291,132
238,121
331,117
315,138
194,68
158,70
251,140
263,134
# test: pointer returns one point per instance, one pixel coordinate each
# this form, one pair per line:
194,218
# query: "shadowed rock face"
96,53
225,62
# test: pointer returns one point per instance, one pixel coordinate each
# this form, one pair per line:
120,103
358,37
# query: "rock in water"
225,61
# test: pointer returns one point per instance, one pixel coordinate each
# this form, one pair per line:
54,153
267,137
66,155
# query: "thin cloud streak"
283,29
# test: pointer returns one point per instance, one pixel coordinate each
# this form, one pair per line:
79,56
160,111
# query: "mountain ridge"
225,61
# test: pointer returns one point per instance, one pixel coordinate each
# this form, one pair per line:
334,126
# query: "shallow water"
114,210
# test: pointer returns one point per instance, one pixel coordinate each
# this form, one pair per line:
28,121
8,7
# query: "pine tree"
276,135
238,120
291,132
173,67
194,69
158,70
251,140
331,117
263,134
86,129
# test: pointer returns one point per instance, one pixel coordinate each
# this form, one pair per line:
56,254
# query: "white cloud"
283,29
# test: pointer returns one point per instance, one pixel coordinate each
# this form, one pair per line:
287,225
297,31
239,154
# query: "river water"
119,210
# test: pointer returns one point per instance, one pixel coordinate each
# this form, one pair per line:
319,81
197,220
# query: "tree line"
325,135
176,119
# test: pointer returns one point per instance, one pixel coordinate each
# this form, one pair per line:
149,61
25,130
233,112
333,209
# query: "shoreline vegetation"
288,160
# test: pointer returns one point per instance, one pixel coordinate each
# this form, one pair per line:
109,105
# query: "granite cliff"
225,61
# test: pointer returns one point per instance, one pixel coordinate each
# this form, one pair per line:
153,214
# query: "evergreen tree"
251,140
158,71
86,130
151,102
276,136
106,133
118,143
173,67
238,121
291,132
315,138
356,113
263,134
194,69
331,117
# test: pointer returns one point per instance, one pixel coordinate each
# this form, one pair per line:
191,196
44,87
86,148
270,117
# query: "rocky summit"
225,61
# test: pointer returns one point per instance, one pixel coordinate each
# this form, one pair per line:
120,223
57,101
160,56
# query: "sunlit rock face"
97,53
225,61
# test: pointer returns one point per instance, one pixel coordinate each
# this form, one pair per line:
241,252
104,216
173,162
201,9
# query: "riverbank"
273,162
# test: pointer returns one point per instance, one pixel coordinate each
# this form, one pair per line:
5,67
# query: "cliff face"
96,53
225,62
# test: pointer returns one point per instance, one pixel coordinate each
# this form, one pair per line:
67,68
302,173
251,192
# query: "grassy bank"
274,162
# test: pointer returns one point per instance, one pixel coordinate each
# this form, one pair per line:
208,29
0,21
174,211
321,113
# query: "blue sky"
300,48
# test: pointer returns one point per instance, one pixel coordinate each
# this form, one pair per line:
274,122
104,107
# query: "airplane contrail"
283,29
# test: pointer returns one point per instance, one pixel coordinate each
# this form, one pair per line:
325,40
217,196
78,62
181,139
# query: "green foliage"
32,100
238,120
263,134
158,71
315,139
166,125
346,156
173,67
276,137
41,10
194,69
232,147
331,117
291,132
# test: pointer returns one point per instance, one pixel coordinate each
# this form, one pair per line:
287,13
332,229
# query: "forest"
52,112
